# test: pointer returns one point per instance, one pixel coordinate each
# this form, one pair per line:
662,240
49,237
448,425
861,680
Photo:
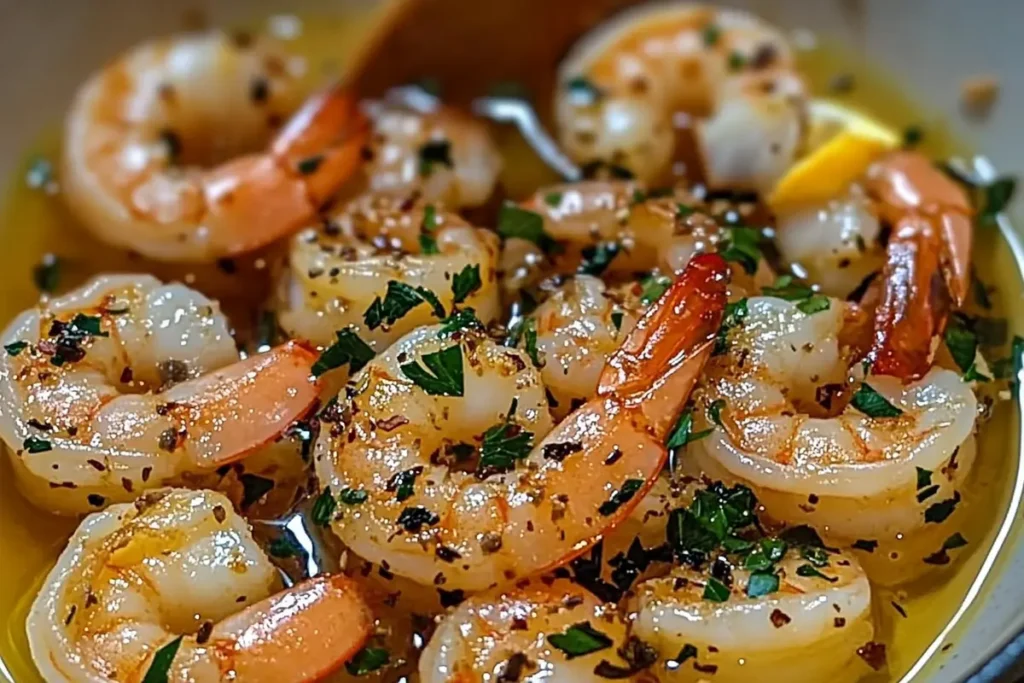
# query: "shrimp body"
335,271
810,628
145,137
779,389
182,564
505,634
578,328
684,83
393,448
660,231
126,384
442,154
836,243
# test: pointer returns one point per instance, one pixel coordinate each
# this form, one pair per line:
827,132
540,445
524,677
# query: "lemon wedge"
843,143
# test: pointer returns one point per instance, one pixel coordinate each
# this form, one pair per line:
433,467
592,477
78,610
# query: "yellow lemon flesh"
843,144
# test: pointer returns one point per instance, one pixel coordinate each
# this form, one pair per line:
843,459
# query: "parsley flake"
442,375
464,319
514,221
653,287
161,664
873,404
14,348
349,349
715,591
620,497
503,445
683,433
762,583
579,640
597,258
433,153
34,444
350,496
324,507
399,299
741,245
465,283
368,660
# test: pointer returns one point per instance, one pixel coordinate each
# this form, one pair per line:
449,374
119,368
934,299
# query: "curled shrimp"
864,459
811,628
684,89
506,634
338,269
538,497
127,384
644,230
179,572
436,151
144,138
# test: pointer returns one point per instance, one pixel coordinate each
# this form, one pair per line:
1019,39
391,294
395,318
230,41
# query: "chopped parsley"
936,513
414,518
620,497
553,199
368,660
736,60
683,433
464,319
433,153
503,445
514,221
46,273
710,35
962,343
741,245
14,348
442,375
653,287
762,583
809,571
465,283
36,445
597,258
808,301
161,664
403,484
309,165
428,243
715,590
399,299
579,640
530,341
715,411
350,496
873,404
1009,368
285,546
617,320
733,317
349,349
924,478
324,507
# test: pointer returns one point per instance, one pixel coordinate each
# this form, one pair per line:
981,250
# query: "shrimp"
514,635
178,572
578,328
837,244
434,150
684,90
389,455
337,270
810,629
126,384
865,460
144,138
644,230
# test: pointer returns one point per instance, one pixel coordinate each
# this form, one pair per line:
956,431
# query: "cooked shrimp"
336,270
810,628
780,393
662,231
180,569
145,135
526,509
513,635
578,329
661,89
836,244
439,152
127,384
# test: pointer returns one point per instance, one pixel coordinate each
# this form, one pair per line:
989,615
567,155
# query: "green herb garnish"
762,583
463,319
742,245
683,433
733,317
324,507
161,664
433,153
579,640
349,349
14,348
368,660
582,92
653,287
36,445
254,487
465,283
503,445
514,221
399,299
620,497
873,404
597,258
442,375
715,590
350,496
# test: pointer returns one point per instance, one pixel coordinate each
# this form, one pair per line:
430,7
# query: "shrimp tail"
228,414
301,634
661,358
914,304
323,141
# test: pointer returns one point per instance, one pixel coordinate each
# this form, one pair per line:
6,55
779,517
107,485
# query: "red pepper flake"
779,618
873,653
